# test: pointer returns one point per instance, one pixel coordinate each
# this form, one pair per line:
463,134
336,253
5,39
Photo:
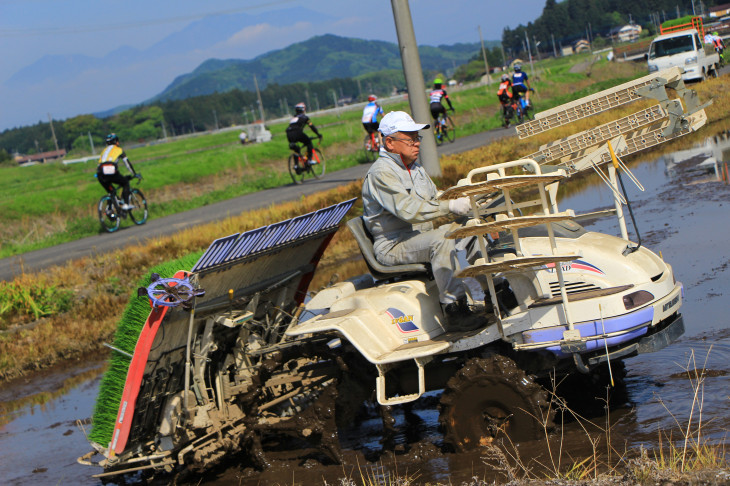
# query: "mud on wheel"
492,397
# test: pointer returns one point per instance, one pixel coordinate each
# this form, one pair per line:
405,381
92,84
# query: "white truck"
684,49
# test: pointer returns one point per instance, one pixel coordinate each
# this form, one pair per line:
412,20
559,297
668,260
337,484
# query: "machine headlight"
691,60
637,299
653,68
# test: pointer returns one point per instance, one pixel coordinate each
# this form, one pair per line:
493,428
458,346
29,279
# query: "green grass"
49,204
125,338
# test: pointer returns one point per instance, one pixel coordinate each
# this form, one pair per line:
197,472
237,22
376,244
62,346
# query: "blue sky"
80,56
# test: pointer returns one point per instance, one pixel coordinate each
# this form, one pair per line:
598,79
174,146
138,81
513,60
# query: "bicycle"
522,108
371,145
299,168
111,212
444,129
508,111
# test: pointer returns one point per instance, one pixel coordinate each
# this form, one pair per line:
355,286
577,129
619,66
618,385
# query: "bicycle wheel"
371,153
139,212
438,133
108,216
295,171
449,130
319,165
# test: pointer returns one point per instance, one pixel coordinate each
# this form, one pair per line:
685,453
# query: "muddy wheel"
492,397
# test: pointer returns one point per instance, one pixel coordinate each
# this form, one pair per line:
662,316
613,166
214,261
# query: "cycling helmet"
518,67
372,97
111,139
505,77
300,107
438,82
715,34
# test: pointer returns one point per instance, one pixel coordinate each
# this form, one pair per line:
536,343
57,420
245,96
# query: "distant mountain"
317,59
195,37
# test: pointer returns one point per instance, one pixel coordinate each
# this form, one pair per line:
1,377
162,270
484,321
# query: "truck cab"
683,49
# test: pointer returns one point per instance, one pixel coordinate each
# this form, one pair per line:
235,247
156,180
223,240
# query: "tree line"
562,23
177,117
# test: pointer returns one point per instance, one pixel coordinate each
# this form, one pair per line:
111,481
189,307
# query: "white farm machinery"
256,354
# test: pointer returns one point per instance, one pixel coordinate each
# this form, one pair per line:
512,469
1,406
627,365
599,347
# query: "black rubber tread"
296,177
490,397
318,170
370,155
450,130
140,212
108,215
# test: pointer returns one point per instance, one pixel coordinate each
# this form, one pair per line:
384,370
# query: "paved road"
39,259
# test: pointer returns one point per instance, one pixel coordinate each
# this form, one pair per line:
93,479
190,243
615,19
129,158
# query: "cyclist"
520,83
436,95
108,170
504,94
295,131
718,43
370,116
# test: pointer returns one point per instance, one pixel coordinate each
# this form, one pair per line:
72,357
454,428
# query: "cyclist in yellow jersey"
108,170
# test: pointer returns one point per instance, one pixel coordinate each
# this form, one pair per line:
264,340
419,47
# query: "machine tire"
491,397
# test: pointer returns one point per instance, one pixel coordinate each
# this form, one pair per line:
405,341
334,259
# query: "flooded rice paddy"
683,213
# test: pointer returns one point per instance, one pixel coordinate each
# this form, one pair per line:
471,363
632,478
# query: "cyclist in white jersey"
370,114
435,96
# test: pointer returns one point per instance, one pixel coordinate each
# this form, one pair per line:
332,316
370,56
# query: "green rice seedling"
125,339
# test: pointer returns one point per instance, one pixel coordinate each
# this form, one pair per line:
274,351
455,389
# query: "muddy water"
683,213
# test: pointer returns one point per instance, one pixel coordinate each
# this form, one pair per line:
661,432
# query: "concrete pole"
484,54
414,82
53,132
529,53
261,103
91,142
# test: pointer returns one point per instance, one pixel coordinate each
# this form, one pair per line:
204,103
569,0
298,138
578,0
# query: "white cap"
399,121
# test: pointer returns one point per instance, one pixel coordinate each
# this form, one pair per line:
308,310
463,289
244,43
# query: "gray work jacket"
398,202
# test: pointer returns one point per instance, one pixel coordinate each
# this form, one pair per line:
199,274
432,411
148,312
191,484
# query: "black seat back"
378,270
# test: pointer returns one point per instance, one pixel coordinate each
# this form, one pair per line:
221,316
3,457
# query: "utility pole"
215,117
537,45
258,94
306,94
555,52
504,58
529,53
484,53
164,130
91,142
53,132
316,101
414,82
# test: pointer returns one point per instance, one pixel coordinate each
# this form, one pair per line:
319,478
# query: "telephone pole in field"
414,82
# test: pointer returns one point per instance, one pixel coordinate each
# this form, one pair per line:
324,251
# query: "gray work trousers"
434,248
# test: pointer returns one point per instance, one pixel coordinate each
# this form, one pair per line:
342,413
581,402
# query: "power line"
131,25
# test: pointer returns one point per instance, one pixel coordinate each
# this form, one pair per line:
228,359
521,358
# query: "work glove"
460,206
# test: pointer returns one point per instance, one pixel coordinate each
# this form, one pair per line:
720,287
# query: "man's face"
405,144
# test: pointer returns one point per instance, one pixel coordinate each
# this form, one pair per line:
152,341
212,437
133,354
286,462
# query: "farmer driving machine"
236,349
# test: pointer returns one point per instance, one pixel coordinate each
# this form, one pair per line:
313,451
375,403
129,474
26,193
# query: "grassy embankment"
100,285
48,204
